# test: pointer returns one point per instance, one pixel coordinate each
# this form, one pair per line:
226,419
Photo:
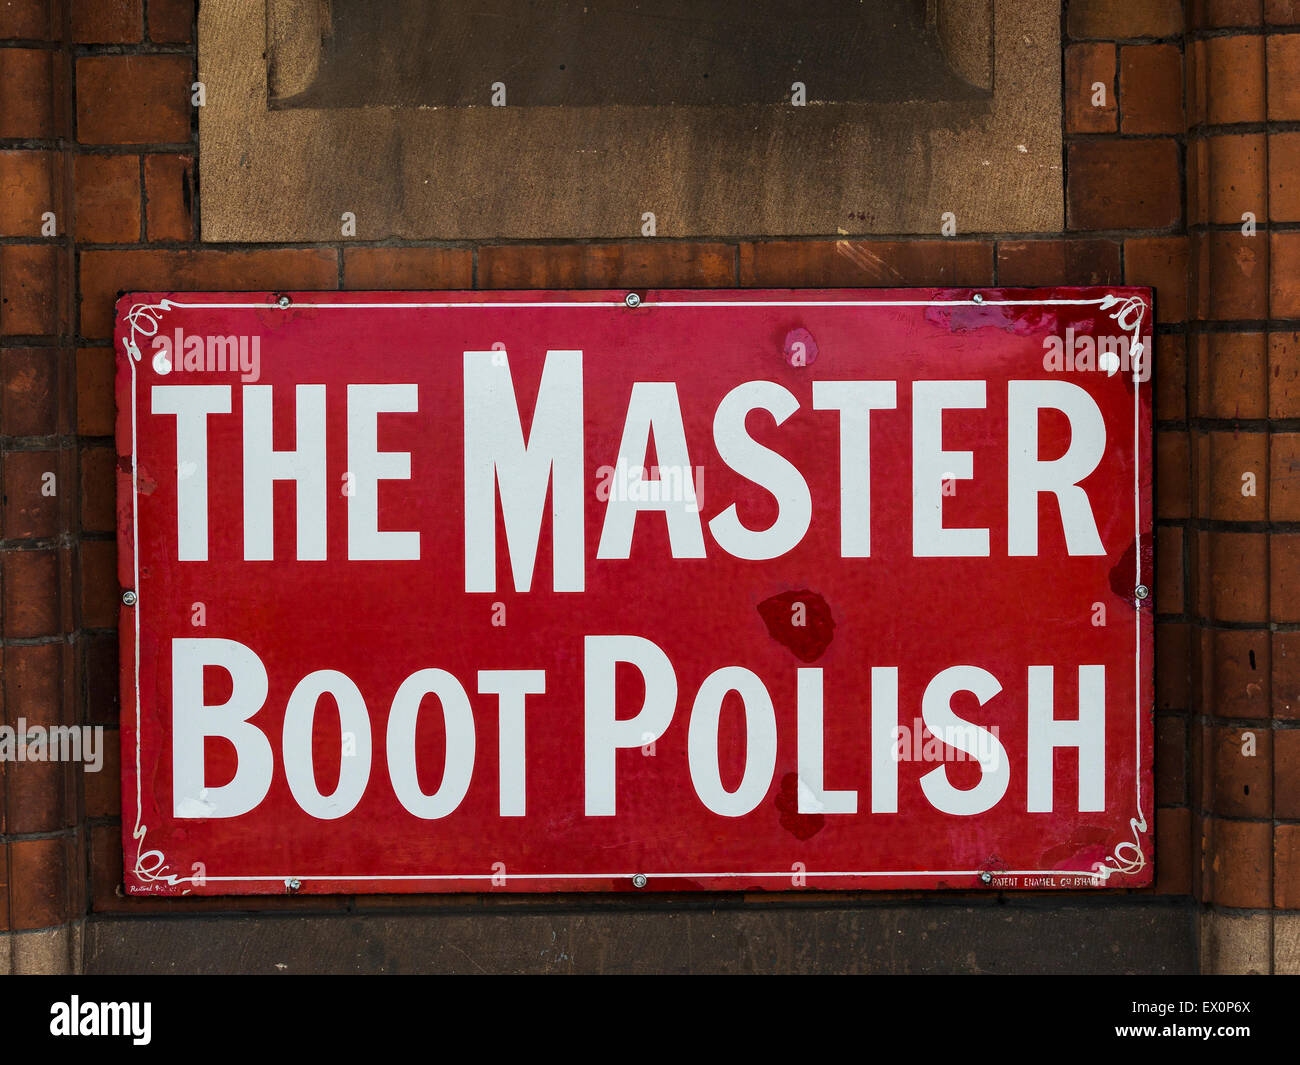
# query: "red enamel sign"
525,591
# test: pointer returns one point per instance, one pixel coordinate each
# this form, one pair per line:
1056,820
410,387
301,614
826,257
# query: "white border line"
155,869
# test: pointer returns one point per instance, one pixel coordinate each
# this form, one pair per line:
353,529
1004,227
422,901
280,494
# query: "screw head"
283,302
978,298
293,883
129,598
1142,591
986,877
640,880
632,299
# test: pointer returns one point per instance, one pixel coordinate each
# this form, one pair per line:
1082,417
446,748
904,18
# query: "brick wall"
96,126
1242,551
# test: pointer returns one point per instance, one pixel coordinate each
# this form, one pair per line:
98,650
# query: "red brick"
1285,477
1202,594
1284,574
1123,184
30,404
1286,867
104,789
31,590
1238,662
655,265
1151,88
1200,764
1227,458
408,268
1231,69
1173,483
778,263
1173,854
1231,368
105,21
1197,169
1173,665
27,93
99,588
98,489
1058,262
1224,14
95,403
1238,563
32,683
1169,569
1235,178
169,196
39,871
101,670
33,20
1171,377
28,286
1286,676
1284,275
171,21
134,99
78,900
28,190
1195,91
42,796
105,273
30,511
1243,782
1086,66
1284,177
1122,18
1171,760
1230,275
1282,12
1286,774
108,198
1160,262
1284,77
106,874
1284,471
1239,860
1284,375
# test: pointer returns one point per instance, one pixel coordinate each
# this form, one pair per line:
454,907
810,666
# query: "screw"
293,884
632,299
978,298
283,302
129,598
640,880
986,877
1141,591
